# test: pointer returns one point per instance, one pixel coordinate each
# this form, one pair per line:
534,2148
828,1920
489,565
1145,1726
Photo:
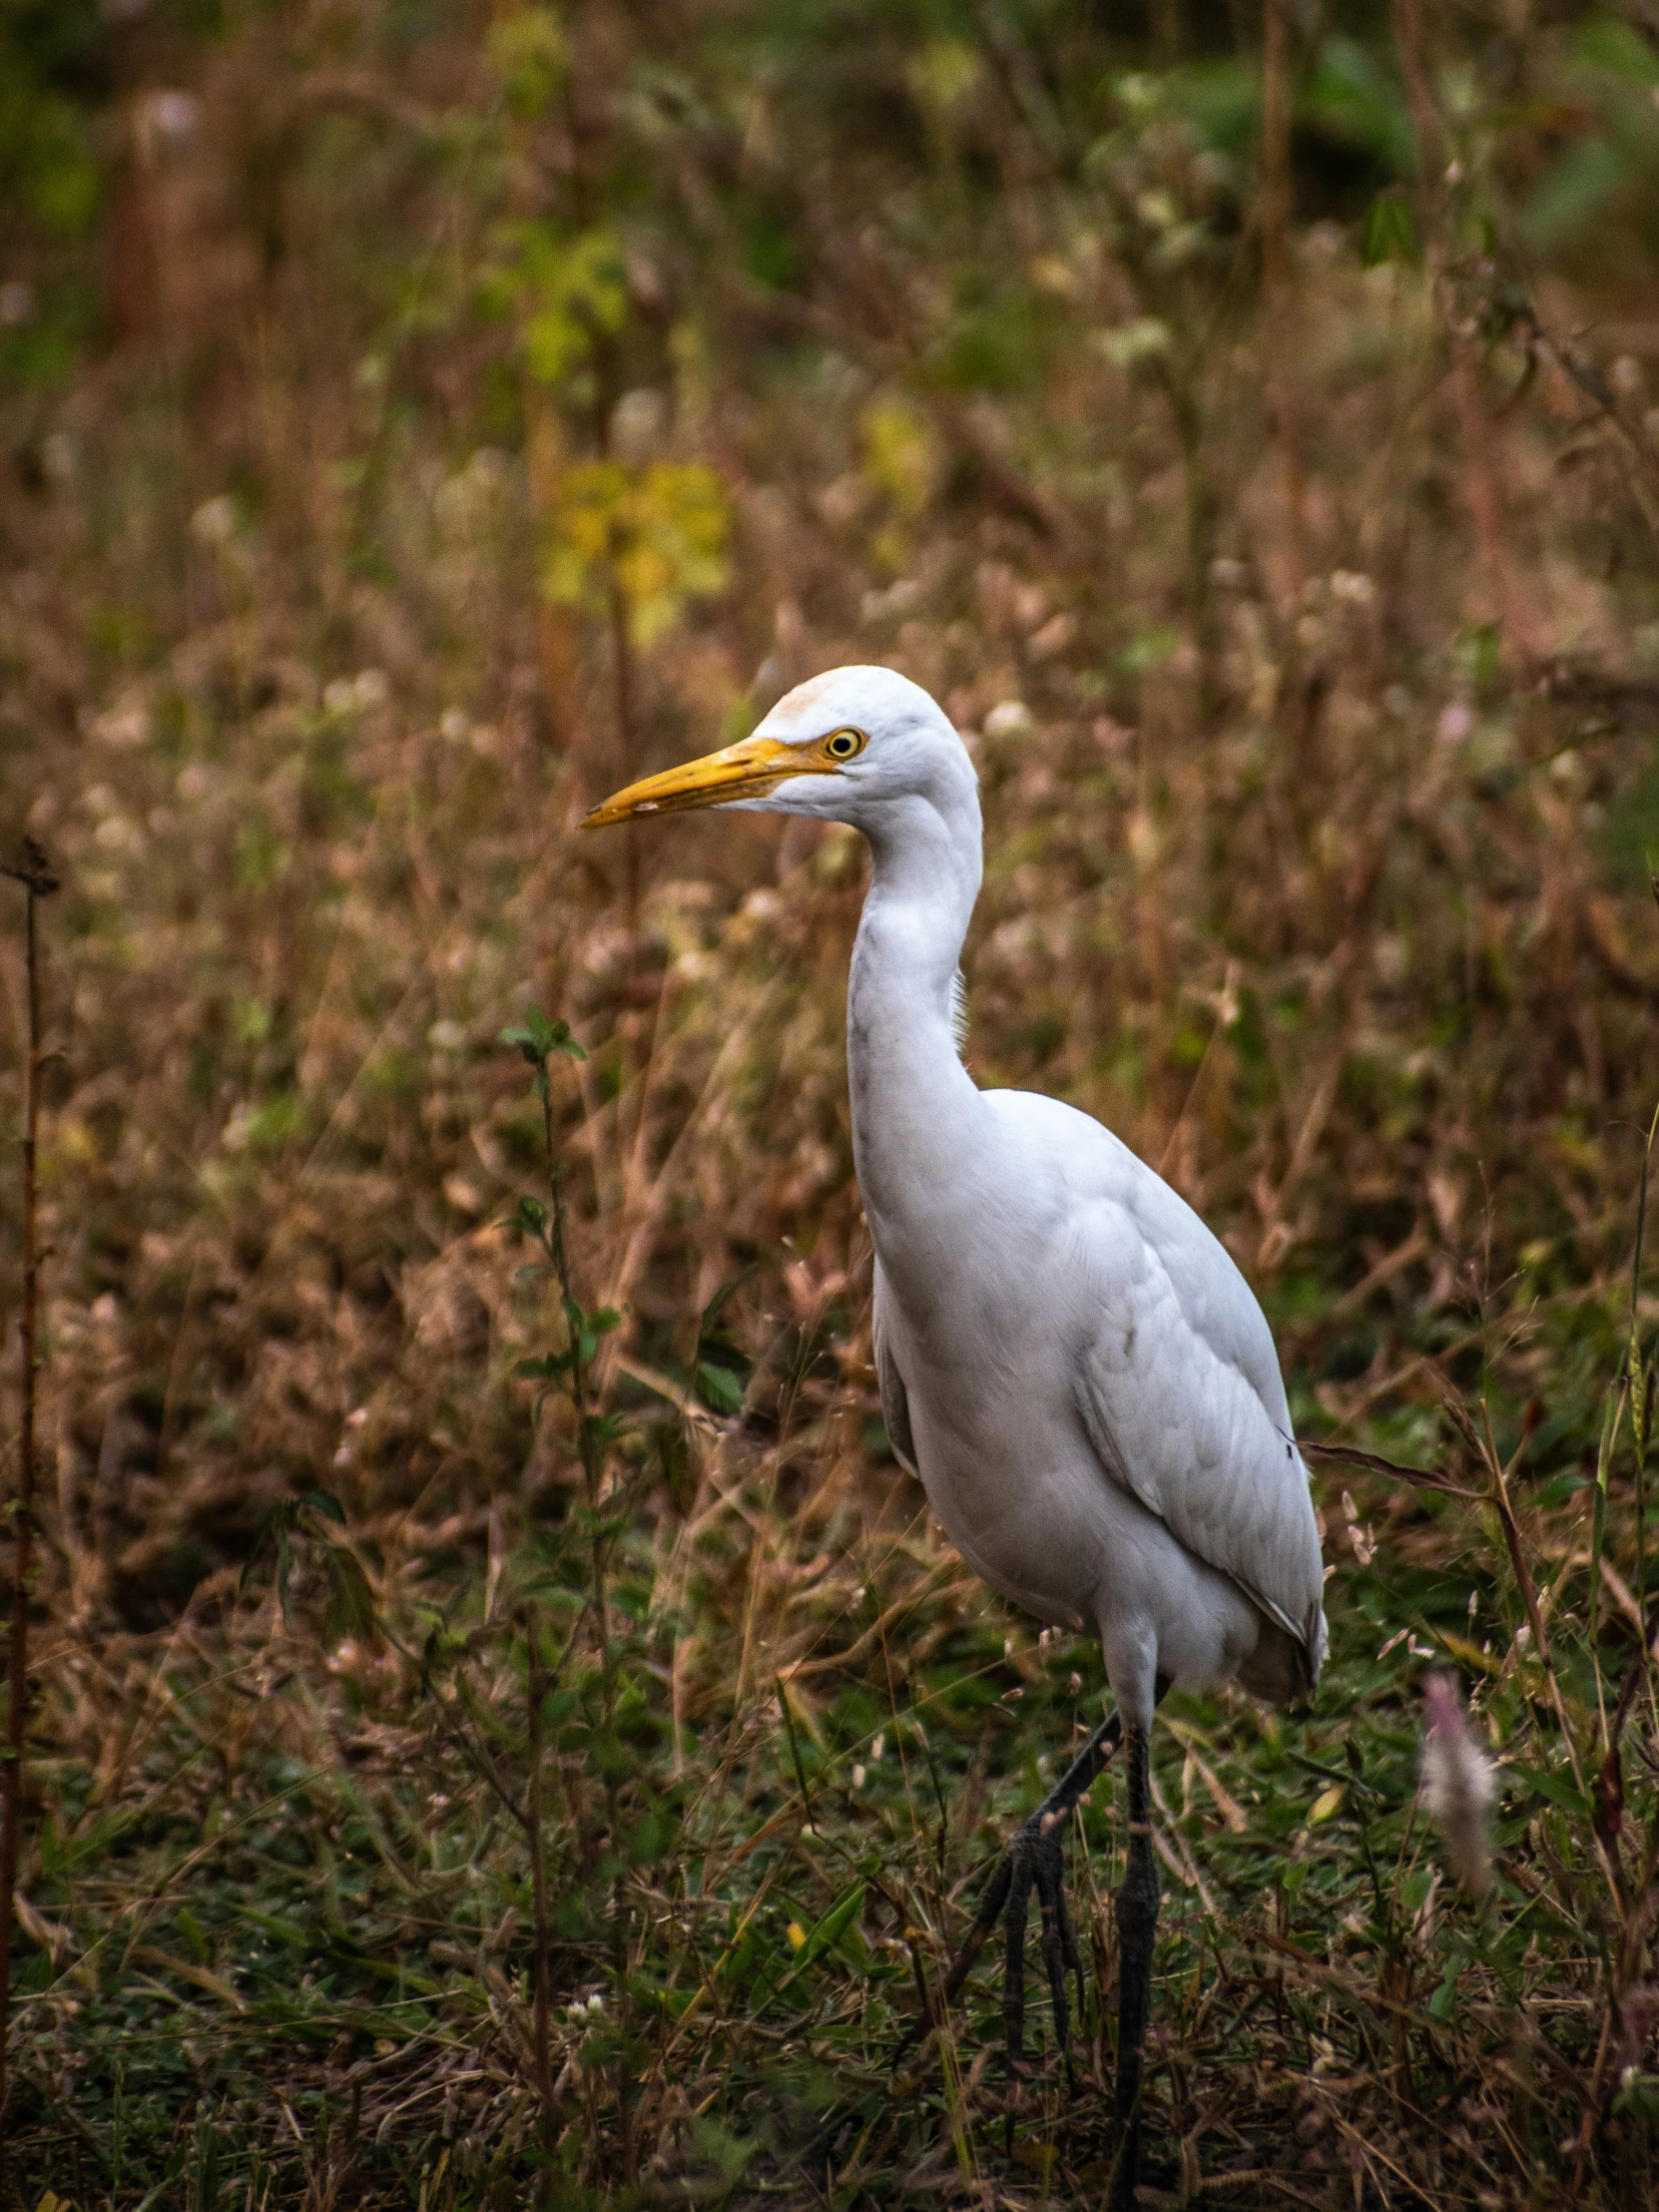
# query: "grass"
531,407
300,1955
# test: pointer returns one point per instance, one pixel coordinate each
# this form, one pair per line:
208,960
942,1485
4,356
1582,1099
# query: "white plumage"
1068,1359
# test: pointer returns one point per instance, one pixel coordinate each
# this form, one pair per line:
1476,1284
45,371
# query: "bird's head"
844,746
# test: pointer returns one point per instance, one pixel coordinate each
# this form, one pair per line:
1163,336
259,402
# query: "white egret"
1068,1359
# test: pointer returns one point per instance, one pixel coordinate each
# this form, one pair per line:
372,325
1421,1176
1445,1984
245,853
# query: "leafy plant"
656,535
316,1522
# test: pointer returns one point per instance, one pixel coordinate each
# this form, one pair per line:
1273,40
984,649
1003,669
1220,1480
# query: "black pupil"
841,745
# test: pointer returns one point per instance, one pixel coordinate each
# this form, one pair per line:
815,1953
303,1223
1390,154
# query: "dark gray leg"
1036,1861
1137,1927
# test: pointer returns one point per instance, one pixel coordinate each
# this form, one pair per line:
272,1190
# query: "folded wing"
1177,1381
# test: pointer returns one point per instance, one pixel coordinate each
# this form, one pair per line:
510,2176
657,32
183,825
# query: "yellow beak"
745,770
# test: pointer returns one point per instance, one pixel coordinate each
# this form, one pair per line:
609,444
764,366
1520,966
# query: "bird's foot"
1035,1860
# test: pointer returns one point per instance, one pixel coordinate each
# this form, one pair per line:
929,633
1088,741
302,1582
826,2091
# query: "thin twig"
38,882
1277,101
538,1892
1481,490
1485,1447
1640,1384
1422,1478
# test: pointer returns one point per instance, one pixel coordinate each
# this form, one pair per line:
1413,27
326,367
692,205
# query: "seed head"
1457,1786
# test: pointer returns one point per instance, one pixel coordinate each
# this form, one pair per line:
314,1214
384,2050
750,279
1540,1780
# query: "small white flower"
172,115
1454,724
214,521
636,423
858,1778
1013,719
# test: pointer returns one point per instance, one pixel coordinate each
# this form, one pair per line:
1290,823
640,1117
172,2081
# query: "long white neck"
916,1115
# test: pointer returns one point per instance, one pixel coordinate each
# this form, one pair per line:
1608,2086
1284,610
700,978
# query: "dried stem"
1528,1591
1426,115
538,1896
1486,1449
555,633
1276,273
1640,1383
622,673
38,882
1482,495
592,1452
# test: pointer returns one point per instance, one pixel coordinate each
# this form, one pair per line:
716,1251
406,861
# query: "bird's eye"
844,745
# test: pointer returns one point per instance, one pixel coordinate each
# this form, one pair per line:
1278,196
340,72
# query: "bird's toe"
1035,1860
990,1910
1059,1943
1022,1879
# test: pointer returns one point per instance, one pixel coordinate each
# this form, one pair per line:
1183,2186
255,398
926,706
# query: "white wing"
1177,1379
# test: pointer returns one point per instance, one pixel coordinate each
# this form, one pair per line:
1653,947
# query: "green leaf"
528,53
351,1601
721,1388
708,1323
1619,49
1415,1890
655,535
827,1933
545,1369
266,1537
601,1431
1389,231
1638,2097
537,1036
1555,1787
326,1503
571,292
1351,100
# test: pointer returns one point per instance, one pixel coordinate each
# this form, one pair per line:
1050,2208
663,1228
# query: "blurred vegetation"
417,416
